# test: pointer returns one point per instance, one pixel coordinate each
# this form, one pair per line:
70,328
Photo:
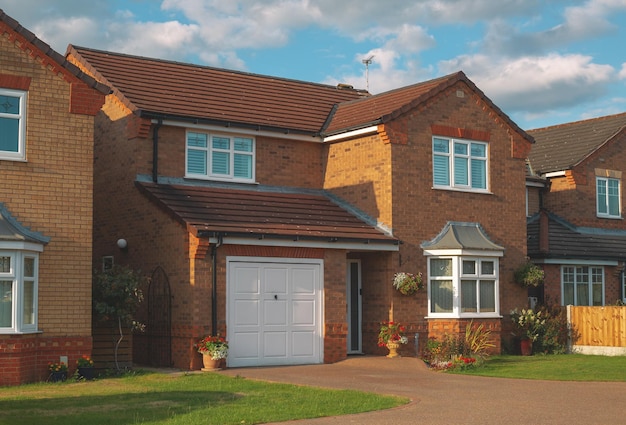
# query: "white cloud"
536,83
622,73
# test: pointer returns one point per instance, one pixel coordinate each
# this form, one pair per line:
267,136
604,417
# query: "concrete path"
441,398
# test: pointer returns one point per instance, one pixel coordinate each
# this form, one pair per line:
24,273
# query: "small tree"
116,296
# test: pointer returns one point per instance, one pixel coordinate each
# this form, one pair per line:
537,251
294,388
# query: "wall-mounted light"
122,244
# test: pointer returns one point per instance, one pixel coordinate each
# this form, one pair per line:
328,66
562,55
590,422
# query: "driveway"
441,398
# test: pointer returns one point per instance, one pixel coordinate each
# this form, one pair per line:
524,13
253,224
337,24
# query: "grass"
153,398
566,367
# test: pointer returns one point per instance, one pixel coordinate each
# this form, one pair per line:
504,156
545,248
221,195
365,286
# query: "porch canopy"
462,238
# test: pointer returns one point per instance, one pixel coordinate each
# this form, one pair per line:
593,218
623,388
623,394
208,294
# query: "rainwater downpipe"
214,288
155,151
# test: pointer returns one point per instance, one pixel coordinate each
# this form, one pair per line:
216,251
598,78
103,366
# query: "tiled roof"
13,231
561,147
566,241
152,86
207,211
383,107
50,53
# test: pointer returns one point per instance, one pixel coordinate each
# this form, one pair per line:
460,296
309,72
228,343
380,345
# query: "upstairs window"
12,124
608,197
460,164
220,157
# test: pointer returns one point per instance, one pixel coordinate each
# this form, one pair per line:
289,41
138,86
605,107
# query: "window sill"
465,316
12,332
456,189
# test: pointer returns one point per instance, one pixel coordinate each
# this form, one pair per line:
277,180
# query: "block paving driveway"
441,398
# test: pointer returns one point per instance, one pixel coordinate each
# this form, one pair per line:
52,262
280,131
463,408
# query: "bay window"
18,286
460,286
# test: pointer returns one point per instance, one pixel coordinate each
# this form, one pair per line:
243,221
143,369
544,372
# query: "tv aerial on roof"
367,63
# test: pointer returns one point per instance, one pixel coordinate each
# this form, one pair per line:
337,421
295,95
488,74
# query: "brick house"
47,109
276,212
576,229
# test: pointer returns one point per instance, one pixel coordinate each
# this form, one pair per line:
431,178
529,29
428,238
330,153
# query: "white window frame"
456,277
210,151
452,159
605,181
589,283
20,155
16,276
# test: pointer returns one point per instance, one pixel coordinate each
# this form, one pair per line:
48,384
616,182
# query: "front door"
354,306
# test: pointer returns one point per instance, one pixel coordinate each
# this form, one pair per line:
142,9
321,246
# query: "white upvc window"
461,286
220,157
608,197
460,164
12,124
582,285
19,272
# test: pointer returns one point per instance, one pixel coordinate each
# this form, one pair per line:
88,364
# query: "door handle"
275,297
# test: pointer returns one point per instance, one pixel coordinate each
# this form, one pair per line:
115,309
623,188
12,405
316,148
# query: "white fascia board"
572,262
21,246
353,246
243,131
555,174
350,134
462,252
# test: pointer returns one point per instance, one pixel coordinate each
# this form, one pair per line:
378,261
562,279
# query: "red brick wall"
552,284
575,199
51,193
360,170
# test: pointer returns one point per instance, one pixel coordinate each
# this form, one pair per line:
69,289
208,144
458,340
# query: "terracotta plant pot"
210,364
526,346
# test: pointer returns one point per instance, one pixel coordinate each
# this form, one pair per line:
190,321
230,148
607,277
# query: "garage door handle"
275,297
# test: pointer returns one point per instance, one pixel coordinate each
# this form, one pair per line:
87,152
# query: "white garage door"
274,312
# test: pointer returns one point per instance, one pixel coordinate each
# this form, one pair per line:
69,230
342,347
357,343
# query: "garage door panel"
303,313
275,313
247,281
276,280
304,281
244,345
275,344
303,344
246,313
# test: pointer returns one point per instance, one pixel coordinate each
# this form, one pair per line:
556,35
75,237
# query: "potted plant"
408,283
528,325
529,274
213,349
84,367
391,335
58,371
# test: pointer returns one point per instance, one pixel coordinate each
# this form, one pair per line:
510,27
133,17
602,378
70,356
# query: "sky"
543,62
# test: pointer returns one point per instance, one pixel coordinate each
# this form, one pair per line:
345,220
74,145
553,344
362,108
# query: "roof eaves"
227,124
68,68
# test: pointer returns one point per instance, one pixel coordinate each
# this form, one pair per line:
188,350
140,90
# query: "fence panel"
599,326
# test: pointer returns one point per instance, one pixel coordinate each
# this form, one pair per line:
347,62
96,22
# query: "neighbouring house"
277,212
47,108
576,229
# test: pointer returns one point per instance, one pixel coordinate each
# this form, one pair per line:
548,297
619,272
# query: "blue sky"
543,62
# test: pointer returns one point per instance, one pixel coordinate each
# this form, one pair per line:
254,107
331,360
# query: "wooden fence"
104,338
601,330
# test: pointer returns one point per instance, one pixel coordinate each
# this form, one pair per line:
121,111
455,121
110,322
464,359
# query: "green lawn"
153,398
566,367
